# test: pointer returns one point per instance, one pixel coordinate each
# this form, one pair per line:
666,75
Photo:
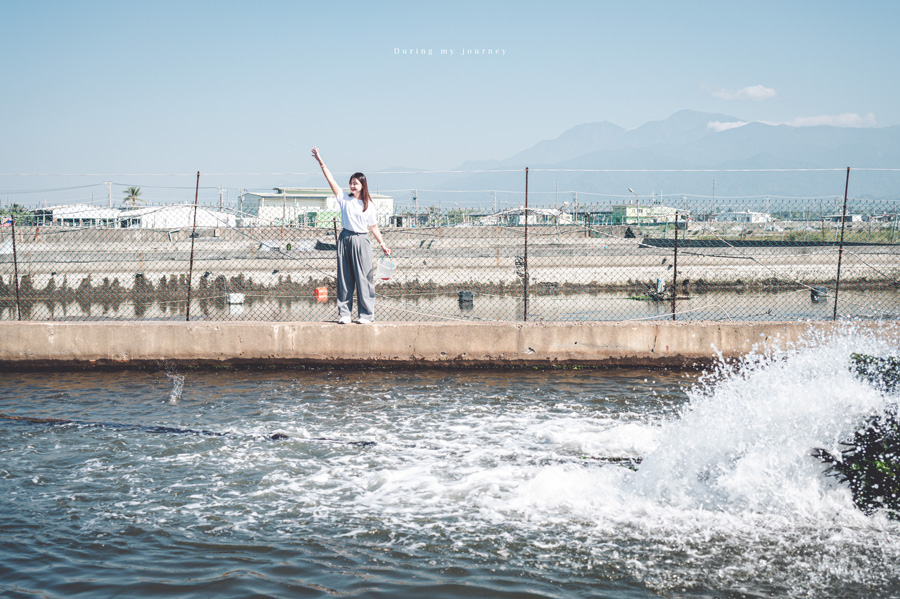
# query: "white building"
745,216
176,216
77,215
307,206
836,218
536,216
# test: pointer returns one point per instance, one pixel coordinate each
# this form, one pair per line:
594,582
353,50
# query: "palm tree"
132,197
22,215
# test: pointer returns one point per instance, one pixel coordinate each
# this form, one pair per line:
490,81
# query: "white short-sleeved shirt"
352,216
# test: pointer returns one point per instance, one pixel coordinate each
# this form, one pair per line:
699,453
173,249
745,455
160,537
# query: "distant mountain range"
704,147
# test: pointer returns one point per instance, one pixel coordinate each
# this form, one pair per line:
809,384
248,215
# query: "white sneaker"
344,320
365,320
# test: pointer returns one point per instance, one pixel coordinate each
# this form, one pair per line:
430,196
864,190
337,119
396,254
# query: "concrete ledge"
74,345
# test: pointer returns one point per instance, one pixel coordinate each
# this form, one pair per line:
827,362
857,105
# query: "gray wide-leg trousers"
355,271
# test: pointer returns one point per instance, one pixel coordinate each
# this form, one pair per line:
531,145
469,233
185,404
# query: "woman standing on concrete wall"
354,252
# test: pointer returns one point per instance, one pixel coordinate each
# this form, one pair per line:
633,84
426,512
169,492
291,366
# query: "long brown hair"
365,197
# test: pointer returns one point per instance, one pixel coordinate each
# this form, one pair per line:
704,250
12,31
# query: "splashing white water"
177,387
743,444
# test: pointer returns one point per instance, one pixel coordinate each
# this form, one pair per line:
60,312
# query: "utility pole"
109,186
221,196
416,202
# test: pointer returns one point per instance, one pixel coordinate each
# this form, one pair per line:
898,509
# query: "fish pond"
441,483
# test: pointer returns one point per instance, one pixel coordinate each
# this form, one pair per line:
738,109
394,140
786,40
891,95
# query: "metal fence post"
675,269
193,236
525,288
837,283
16,268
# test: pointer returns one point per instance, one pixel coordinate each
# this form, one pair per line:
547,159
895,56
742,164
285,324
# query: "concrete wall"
66,345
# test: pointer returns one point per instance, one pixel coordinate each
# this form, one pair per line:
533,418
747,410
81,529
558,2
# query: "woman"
354,252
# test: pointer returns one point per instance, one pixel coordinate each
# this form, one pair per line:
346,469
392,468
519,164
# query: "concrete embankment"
74,345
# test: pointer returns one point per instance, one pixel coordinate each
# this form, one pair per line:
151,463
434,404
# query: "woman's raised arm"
334,186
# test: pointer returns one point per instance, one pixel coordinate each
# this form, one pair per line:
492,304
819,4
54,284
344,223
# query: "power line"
459,171
50,189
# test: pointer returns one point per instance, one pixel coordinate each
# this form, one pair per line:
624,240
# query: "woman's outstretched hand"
331,182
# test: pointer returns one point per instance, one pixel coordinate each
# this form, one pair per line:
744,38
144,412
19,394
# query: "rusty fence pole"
16,268
675,267
193,236
525,263
837,283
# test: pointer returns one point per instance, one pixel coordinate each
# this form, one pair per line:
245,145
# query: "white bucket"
385,268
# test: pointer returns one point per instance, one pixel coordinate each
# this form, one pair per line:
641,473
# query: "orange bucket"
321,293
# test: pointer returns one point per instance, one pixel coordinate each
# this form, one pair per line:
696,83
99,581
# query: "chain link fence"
662,257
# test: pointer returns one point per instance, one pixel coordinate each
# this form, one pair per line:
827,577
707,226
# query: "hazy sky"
236,87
